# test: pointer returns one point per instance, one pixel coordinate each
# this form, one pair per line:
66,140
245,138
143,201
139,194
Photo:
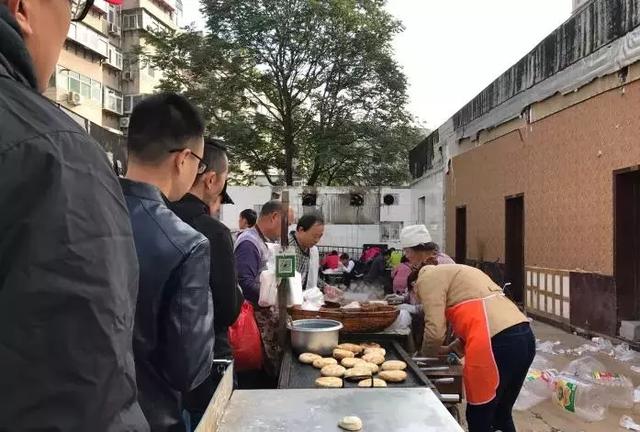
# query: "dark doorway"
627,243
514,247
461,235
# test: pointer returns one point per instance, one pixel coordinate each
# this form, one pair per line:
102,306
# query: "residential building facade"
99,77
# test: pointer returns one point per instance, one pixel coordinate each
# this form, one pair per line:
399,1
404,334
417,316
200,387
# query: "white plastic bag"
628,423
294,294
623,353
274,249
401,324
547,347
268,289
313,299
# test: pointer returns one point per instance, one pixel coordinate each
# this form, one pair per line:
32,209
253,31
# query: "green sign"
285,265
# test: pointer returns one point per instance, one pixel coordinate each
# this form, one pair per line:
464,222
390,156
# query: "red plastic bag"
245,341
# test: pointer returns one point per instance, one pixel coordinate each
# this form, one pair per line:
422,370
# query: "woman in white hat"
415,240
498,342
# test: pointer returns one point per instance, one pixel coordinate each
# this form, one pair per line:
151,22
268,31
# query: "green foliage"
306,87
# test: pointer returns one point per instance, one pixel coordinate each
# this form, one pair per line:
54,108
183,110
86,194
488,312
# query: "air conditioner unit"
127,76
74,98
114,29
124,122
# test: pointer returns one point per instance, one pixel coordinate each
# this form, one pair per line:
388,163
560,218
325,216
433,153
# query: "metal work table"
295,375
381,410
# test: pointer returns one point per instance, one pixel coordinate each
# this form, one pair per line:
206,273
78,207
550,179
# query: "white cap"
414,235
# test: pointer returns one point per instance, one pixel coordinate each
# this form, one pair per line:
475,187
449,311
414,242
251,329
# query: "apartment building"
99,78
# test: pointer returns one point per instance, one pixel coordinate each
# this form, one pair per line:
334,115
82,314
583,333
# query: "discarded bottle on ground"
537,386
617,390
581,397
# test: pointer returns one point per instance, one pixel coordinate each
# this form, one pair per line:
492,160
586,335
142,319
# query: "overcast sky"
452,49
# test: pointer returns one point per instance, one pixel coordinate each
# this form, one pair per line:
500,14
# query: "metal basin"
319,336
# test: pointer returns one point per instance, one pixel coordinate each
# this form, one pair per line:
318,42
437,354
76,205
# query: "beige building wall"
97,21
161,9
111,78
563,164
76,60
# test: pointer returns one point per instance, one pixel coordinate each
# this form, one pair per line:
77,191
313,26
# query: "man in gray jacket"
68,267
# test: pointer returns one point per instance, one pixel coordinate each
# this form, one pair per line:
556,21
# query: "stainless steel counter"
302,410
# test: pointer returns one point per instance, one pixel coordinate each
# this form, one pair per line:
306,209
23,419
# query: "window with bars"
132,21
113,15
115,57
74,82
390,231
113,100
88,37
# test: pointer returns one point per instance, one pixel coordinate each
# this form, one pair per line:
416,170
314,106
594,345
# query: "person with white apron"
494,335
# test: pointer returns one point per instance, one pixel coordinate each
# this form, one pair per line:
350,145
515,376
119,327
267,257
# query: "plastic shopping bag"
245,341
295,293
268,289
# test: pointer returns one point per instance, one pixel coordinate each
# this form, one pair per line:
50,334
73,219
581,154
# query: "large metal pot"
319,336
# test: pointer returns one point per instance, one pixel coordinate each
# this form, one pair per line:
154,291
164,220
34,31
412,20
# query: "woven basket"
358,321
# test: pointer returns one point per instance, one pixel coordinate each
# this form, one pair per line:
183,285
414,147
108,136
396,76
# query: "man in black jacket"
68,268
195,209
173,338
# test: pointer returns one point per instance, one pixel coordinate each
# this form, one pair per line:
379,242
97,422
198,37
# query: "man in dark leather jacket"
68,268
195,208
173,338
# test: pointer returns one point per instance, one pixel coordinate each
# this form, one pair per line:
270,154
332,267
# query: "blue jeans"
513,349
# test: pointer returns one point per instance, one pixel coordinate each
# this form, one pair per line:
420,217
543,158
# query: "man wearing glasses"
198,208
68,266
174,336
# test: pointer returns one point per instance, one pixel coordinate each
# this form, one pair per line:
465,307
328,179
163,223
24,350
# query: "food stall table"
296,375
380,409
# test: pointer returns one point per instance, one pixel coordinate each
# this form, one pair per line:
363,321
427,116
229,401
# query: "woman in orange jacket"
498,343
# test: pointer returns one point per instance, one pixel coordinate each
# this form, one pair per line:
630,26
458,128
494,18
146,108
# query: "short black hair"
215,155
160,123
307,221
273,206
250,216
344,256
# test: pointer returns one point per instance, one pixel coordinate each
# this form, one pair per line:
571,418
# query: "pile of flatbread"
356,362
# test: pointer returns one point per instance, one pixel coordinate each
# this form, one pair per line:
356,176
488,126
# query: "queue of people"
116,294
68,263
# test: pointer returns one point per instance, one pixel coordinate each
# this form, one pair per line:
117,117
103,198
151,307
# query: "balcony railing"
88,38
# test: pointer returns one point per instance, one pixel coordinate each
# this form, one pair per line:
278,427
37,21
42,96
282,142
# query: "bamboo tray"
354,321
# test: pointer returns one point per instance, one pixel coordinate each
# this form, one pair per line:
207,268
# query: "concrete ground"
548,417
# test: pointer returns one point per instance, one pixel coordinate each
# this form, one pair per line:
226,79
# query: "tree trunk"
289,146
315,173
